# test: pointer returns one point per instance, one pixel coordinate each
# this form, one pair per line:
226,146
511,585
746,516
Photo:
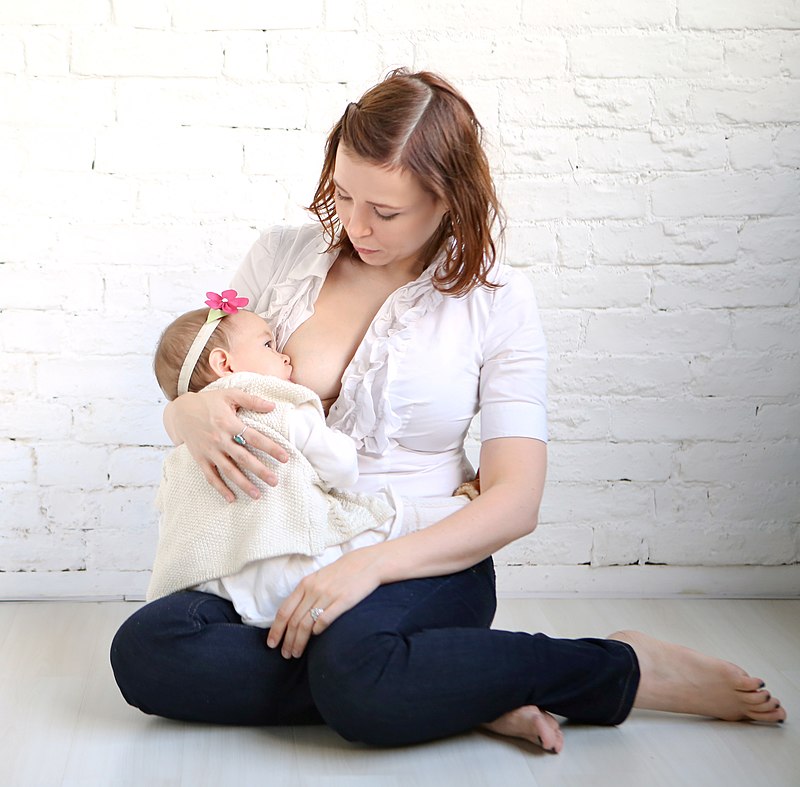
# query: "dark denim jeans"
414,661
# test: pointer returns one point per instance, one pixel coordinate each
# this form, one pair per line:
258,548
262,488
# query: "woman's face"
387,214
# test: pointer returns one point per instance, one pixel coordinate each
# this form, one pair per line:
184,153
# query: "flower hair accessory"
220,305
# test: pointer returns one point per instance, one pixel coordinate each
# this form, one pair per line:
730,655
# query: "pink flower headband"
228,302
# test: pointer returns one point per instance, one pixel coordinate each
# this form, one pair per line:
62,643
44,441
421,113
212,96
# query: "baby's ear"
219,362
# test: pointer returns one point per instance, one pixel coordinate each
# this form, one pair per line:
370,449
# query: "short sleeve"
513,381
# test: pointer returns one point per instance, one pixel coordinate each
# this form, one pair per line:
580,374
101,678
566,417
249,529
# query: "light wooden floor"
64,723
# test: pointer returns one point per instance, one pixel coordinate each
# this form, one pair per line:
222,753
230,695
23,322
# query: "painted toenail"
761,686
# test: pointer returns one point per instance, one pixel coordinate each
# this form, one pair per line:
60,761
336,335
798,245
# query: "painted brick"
726,195
549,545
598,13
610,462
345,15
53,12
618,543
303,57
69,509
637,56
71,465
665,242
16,463
99,422
386,16
284,154
195,103
753,149
33,332
664,420
245,15
112,548
746,375
617,374
574,245
603,287
56,102
91,378
17,280
130,150
153,14
657,150
629,332
687,544
787,144
125,52
570,418
776,421
197,199
135,467
12,54
47,149
564,330
723,14
537,150
756,500
21,513
725,286
770,239
25,422
246,55
494,56
756,56
17,375
529,246
566,502
47,52
60,550
66,195
752,101
790,57
584,103
551,199
741,461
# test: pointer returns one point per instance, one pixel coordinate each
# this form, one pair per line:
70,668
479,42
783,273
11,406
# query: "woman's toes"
756,697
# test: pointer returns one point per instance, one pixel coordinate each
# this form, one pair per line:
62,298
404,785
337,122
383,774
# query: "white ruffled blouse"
427,364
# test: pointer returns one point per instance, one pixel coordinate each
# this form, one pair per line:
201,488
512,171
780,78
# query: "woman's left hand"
333,589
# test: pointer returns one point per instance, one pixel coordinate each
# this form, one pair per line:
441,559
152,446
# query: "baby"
255,552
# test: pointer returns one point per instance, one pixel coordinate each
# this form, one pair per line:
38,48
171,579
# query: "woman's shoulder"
291,242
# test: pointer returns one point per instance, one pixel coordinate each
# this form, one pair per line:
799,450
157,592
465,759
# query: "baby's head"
240,342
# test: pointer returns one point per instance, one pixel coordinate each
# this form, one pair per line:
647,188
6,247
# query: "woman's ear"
219,362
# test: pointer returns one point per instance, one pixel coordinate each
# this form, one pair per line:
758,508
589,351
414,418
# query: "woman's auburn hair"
420,123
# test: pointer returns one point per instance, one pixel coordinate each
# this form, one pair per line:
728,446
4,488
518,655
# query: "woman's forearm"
512,481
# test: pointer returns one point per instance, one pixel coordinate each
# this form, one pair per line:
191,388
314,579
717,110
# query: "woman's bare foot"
530,724
677,679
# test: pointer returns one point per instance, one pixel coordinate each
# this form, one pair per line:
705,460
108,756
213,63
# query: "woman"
397,290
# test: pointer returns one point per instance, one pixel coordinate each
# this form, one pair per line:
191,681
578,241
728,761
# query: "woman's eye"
384,216
341,196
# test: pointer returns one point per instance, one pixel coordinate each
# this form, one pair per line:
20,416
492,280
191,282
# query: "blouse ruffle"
364,408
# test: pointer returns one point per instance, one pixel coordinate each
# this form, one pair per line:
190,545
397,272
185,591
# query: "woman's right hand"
206,422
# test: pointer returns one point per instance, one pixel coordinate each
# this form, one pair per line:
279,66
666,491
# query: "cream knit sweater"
201,537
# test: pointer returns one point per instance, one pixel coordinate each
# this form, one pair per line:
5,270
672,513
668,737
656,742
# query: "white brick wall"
647,152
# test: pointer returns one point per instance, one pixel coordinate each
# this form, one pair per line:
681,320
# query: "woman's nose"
359,226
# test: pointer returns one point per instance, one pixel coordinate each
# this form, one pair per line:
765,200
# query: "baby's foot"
677,679
530,724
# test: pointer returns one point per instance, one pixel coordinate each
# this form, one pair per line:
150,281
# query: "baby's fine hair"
173,345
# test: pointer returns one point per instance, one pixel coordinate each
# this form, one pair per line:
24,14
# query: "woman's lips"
364,251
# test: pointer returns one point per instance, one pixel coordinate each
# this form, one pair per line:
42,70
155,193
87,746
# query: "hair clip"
228,302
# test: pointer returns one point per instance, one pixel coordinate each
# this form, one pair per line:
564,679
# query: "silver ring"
239,438
315,613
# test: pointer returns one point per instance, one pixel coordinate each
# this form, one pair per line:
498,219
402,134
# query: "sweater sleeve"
331,453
